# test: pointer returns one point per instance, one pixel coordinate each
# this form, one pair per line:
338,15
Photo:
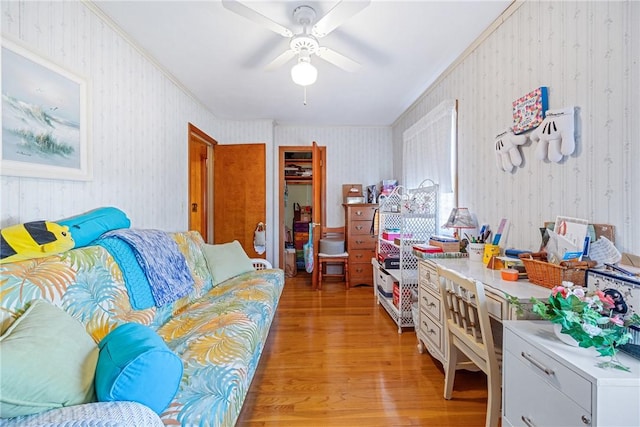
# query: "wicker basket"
549,275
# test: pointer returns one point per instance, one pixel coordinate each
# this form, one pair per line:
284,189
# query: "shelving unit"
298,170
412,215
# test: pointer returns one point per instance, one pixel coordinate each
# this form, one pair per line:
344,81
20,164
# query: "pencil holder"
476,251
489,252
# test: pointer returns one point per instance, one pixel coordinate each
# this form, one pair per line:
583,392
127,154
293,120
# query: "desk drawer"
495,306
529,399
431,304
428,275
557,375
430,329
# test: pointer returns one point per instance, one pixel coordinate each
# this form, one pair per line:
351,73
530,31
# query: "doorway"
302,180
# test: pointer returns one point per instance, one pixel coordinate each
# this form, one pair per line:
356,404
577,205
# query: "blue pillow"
87,227
136,365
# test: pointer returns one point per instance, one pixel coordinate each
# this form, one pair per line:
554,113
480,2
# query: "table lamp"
460,218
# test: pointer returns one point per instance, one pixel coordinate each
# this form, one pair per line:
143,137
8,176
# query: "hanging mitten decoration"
555,135
507,152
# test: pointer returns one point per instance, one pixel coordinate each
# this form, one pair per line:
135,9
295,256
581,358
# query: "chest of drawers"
360,241
548,383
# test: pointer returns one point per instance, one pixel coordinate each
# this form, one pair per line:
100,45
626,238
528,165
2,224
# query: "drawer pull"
429,303
358,256
358,227
537,364
527,421
586,421
359,242
359,213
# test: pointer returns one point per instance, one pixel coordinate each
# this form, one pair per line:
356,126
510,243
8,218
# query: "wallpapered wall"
139,117
138,122
588,55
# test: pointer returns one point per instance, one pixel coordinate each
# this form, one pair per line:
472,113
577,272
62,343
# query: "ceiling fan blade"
255,16
281,59
338,59
337,16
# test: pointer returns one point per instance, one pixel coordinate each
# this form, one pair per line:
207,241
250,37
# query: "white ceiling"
220,57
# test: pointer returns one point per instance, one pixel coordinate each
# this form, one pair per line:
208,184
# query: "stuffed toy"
33,240
507,153
555,135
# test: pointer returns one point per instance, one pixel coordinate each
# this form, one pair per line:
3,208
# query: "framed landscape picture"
44,118
529,110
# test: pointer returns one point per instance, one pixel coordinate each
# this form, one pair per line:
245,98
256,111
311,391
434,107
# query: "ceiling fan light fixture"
303,73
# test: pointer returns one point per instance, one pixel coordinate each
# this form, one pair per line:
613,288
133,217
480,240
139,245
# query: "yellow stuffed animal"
33,240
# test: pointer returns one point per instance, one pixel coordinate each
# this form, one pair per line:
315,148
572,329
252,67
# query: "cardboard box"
385,282
351,190
389,262
446,246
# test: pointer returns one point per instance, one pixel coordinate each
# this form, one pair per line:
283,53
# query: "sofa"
218,330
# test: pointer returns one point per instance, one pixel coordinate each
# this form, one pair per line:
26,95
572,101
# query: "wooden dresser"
360,241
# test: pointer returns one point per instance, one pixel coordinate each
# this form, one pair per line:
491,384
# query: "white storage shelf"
412,215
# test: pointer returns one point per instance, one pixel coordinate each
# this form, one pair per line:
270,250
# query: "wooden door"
318,212
239,193
199,145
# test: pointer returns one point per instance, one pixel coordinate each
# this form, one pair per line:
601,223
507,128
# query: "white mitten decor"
555,135
507,152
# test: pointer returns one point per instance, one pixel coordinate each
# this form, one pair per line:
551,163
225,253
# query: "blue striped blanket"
157,256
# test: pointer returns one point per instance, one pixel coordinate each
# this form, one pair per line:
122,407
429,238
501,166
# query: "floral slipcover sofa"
218,331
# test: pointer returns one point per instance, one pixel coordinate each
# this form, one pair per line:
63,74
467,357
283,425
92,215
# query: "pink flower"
559,290
607,301
617,320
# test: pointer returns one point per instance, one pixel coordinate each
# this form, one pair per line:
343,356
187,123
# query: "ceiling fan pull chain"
304,101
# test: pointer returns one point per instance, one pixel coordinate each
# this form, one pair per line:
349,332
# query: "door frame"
197,136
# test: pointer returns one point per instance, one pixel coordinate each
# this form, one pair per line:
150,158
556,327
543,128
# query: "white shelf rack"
413,215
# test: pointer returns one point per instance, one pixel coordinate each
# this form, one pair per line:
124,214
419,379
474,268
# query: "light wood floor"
335,358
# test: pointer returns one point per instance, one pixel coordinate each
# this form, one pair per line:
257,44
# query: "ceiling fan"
305,44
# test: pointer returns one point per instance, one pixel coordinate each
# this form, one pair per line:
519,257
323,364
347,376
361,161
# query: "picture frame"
529,110
45,122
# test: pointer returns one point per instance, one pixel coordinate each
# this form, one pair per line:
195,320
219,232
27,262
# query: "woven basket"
549,275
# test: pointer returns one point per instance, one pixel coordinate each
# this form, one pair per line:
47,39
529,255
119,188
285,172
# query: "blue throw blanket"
164,266
135,280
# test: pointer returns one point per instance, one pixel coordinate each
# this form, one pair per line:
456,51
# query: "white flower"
579,292
591,330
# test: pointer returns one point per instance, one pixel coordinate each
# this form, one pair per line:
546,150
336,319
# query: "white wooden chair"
261,264
469,334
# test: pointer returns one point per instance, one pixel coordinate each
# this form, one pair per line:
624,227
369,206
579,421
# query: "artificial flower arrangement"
589,317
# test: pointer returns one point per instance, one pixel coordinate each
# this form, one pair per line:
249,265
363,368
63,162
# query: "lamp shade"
460,218
304,74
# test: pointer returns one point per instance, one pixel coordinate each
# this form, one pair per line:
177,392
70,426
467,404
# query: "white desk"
431,329
492,280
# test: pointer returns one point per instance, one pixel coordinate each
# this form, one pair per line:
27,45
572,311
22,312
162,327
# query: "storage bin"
385,281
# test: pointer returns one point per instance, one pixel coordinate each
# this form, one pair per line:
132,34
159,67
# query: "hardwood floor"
335,358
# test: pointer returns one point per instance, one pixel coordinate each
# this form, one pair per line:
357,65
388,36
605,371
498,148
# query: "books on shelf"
428,249
425,255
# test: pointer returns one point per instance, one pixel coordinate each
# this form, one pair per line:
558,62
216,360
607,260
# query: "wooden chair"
325,260
469,333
